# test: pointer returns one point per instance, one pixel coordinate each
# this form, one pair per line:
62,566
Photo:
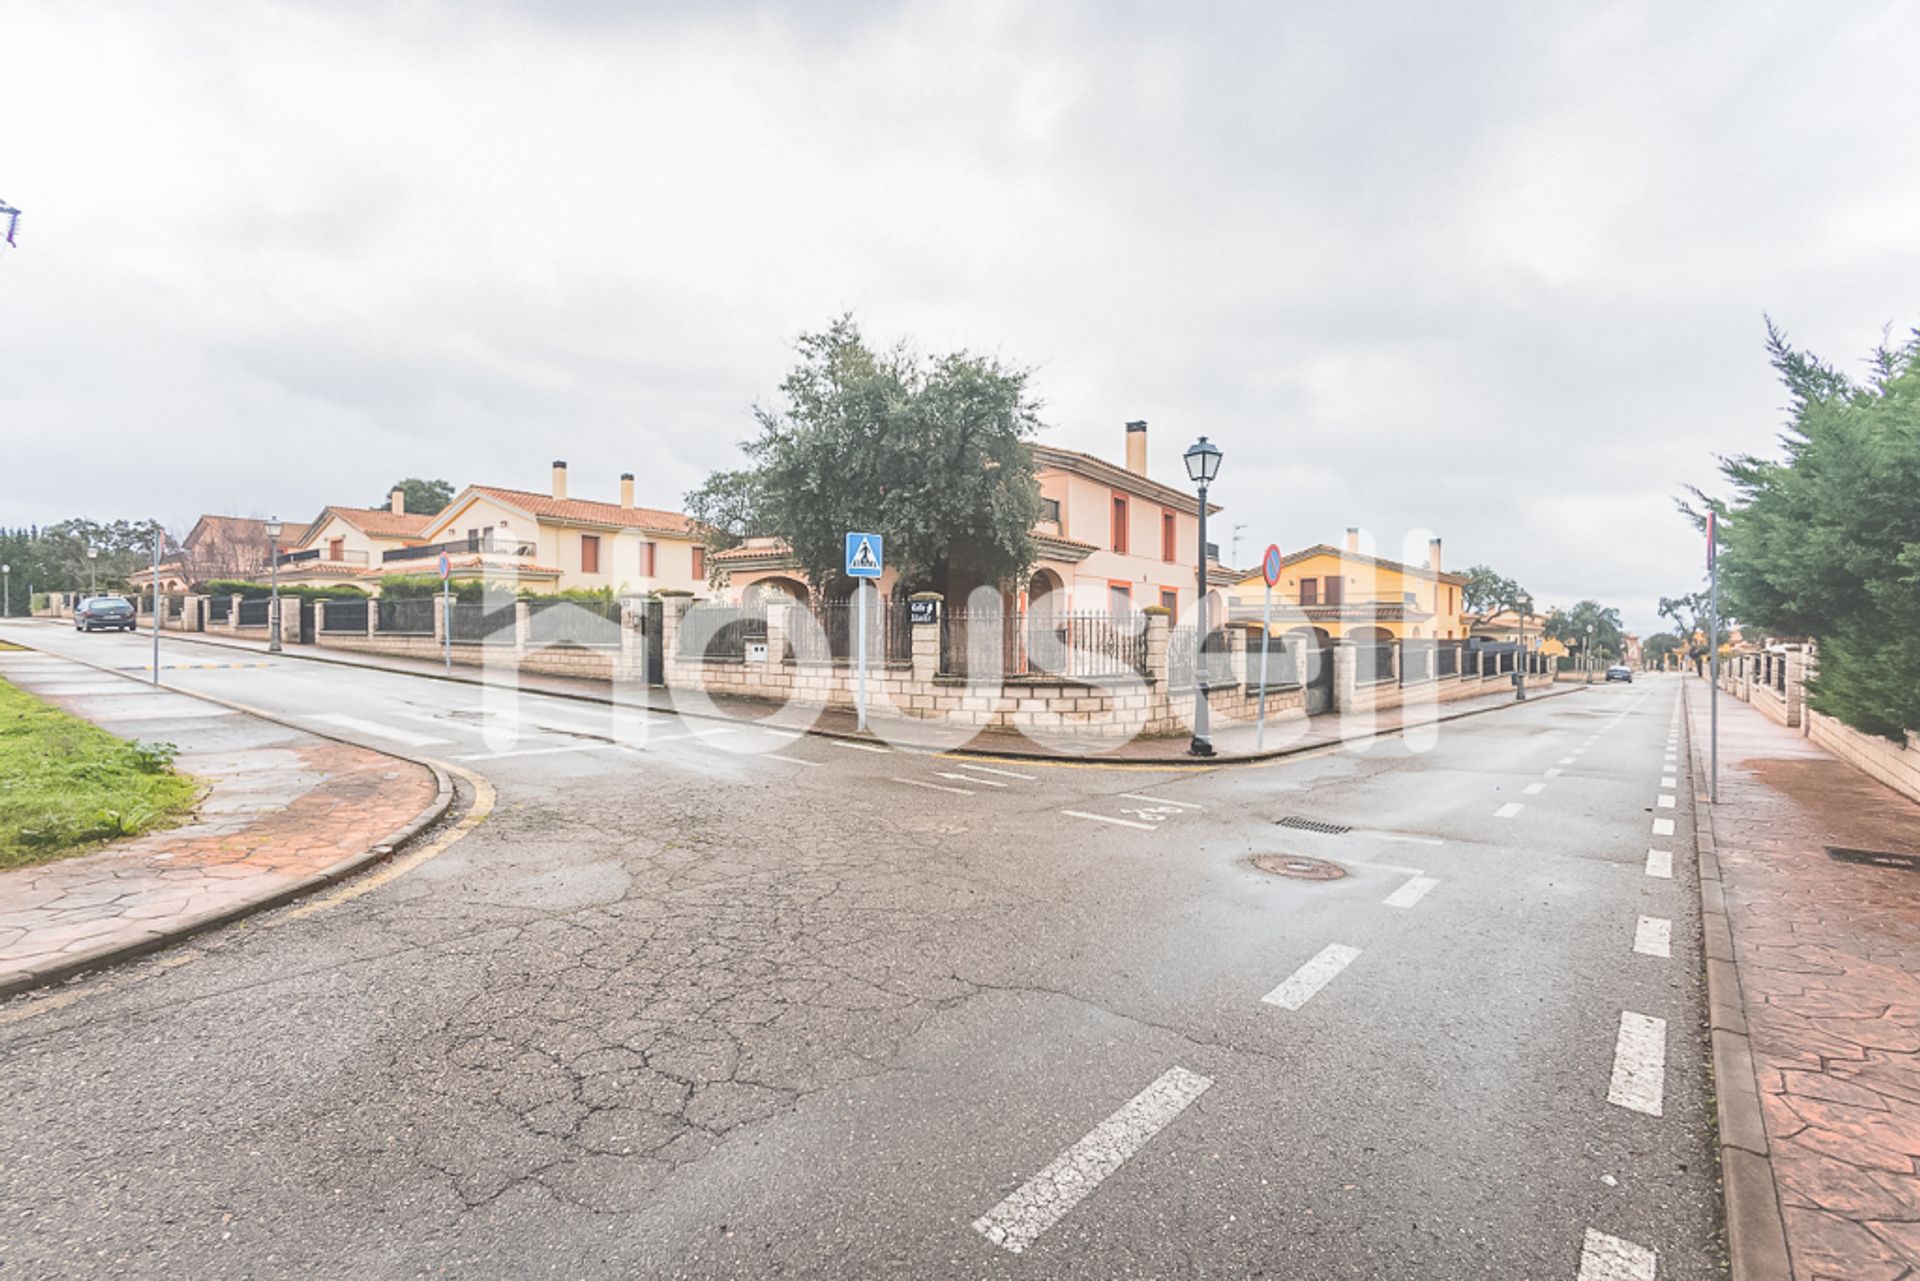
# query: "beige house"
1110,538
555,542
346,544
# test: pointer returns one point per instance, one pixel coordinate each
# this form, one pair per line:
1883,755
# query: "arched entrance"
775,591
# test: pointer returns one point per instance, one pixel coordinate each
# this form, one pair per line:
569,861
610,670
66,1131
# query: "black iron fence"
407,616
1446,659
1214,665
255,613
571,622
1417,661
1373,662
829,634
344,616
481,624
1083,646
1283,667
709,632
219,608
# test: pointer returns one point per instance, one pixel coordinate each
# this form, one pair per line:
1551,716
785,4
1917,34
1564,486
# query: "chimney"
626,490
398,501
1137,447
1353,539
559,479
1433,555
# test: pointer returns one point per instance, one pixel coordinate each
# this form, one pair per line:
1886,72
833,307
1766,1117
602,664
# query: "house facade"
346,544
1346,594
219,547
1110,538
556,542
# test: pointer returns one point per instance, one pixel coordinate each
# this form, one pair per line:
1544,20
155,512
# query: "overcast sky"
1493,271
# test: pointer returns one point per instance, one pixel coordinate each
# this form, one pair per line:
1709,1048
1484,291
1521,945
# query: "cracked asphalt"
679,1009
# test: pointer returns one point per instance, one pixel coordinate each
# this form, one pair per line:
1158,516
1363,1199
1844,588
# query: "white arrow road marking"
1653,936
1119,822
1639,1064
1660,864
1311,977
1605,1258
378,730
1410,893
1045,1199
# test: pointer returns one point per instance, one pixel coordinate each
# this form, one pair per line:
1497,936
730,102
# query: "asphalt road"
703,1000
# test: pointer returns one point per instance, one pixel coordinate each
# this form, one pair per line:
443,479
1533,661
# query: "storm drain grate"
1313,825
1875,858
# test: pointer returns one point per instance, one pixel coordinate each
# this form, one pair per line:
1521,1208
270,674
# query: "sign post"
156,602
446,611
866,557
1713,658
1270,570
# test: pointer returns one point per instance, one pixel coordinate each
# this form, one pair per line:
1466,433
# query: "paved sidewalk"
1828,958
285,811
1232,741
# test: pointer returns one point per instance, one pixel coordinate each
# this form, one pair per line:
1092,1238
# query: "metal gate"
652,625
306,619
1319,679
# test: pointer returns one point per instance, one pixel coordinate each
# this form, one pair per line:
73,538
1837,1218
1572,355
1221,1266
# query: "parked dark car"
1620,672
104,613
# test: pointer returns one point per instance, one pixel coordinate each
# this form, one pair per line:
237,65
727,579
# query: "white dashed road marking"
1605,1258
859,747
1653,936
1660,864
1663,827
1158,800
1533,789
1509,810
1671,780
1119,822
378,730
539,751
1666,802
934,787
1639,1064
988,769
968,778
1045,1199
1311,977
1410,893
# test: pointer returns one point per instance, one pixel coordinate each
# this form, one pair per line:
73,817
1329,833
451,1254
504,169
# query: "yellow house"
553,541
1348,595
1505,627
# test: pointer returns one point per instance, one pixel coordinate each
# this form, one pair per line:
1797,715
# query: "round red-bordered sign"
1270,564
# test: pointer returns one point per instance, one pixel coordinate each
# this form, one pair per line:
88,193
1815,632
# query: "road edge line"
1755,1227
112,954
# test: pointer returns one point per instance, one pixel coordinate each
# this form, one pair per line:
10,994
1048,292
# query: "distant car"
1620,672
104,613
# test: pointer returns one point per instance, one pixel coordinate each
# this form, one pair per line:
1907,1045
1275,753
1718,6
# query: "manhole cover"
1299,867
1875,858
1313,825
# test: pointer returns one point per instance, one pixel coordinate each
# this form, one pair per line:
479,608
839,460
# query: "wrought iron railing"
709,632
405,616
255,613
1373,662
1081,646
481,624
347,615
571,622
1214,667
457,547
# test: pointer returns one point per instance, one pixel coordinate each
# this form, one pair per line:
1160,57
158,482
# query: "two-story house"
1347,594
345,544
554,541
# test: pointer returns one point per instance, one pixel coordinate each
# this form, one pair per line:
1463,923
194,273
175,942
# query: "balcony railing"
458,547
311,554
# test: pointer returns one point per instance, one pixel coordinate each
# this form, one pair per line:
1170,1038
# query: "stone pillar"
233,612
926,635
1796,660
779,621
373,614
1346,676
319,619
439,619
522,623
1157,625
1237,654
675,610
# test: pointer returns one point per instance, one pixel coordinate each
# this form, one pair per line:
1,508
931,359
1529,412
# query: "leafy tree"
1569,627
931,453
424,497
1690,615
1489,593
1824,540
1659,647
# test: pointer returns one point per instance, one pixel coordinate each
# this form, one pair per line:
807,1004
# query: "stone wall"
1893,764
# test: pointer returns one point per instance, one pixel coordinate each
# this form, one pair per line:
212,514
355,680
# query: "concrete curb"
1756,1232
1181,761
114,953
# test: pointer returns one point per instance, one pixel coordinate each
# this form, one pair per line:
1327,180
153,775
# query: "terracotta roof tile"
381,522
587,512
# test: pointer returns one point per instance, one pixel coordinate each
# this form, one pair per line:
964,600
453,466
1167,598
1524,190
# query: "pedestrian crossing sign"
865,555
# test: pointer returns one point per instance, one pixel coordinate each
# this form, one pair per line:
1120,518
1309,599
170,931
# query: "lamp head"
1203,461
273,528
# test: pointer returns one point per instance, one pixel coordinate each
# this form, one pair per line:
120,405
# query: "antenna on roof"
11,219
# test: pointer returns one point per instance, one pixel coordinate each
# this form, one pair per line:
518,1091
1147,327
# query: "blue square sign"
865,556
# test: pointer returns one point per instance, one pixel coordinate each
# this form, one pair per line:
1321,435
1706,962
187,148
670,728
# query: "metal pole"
1520,690
1266,640
446,621
1200,745
1713,694
273,611
861,649
156,606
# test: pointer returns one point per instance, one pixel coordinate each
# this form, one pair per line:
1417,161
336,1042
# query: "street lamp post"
93,557
1589,653
1203,464
273,610
1525,605
6,591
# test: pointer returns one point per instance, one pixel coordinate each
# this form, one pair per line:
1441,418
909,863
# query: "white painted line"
988,769
1159,800
1639,1064
1605,1258
1555,772
191,712
1666,801
784,735
795,760
934,787
968,778
1653,936
858,747
378,730
1410,893
539,751
708,731
1660,864
1045,1199
1119,822
1311,977
1508,810
1663,827
1671,780
1533,789
1404,839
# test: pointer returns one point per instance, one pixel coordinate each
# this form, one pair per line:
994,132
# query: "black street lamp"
1203,464
273,610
